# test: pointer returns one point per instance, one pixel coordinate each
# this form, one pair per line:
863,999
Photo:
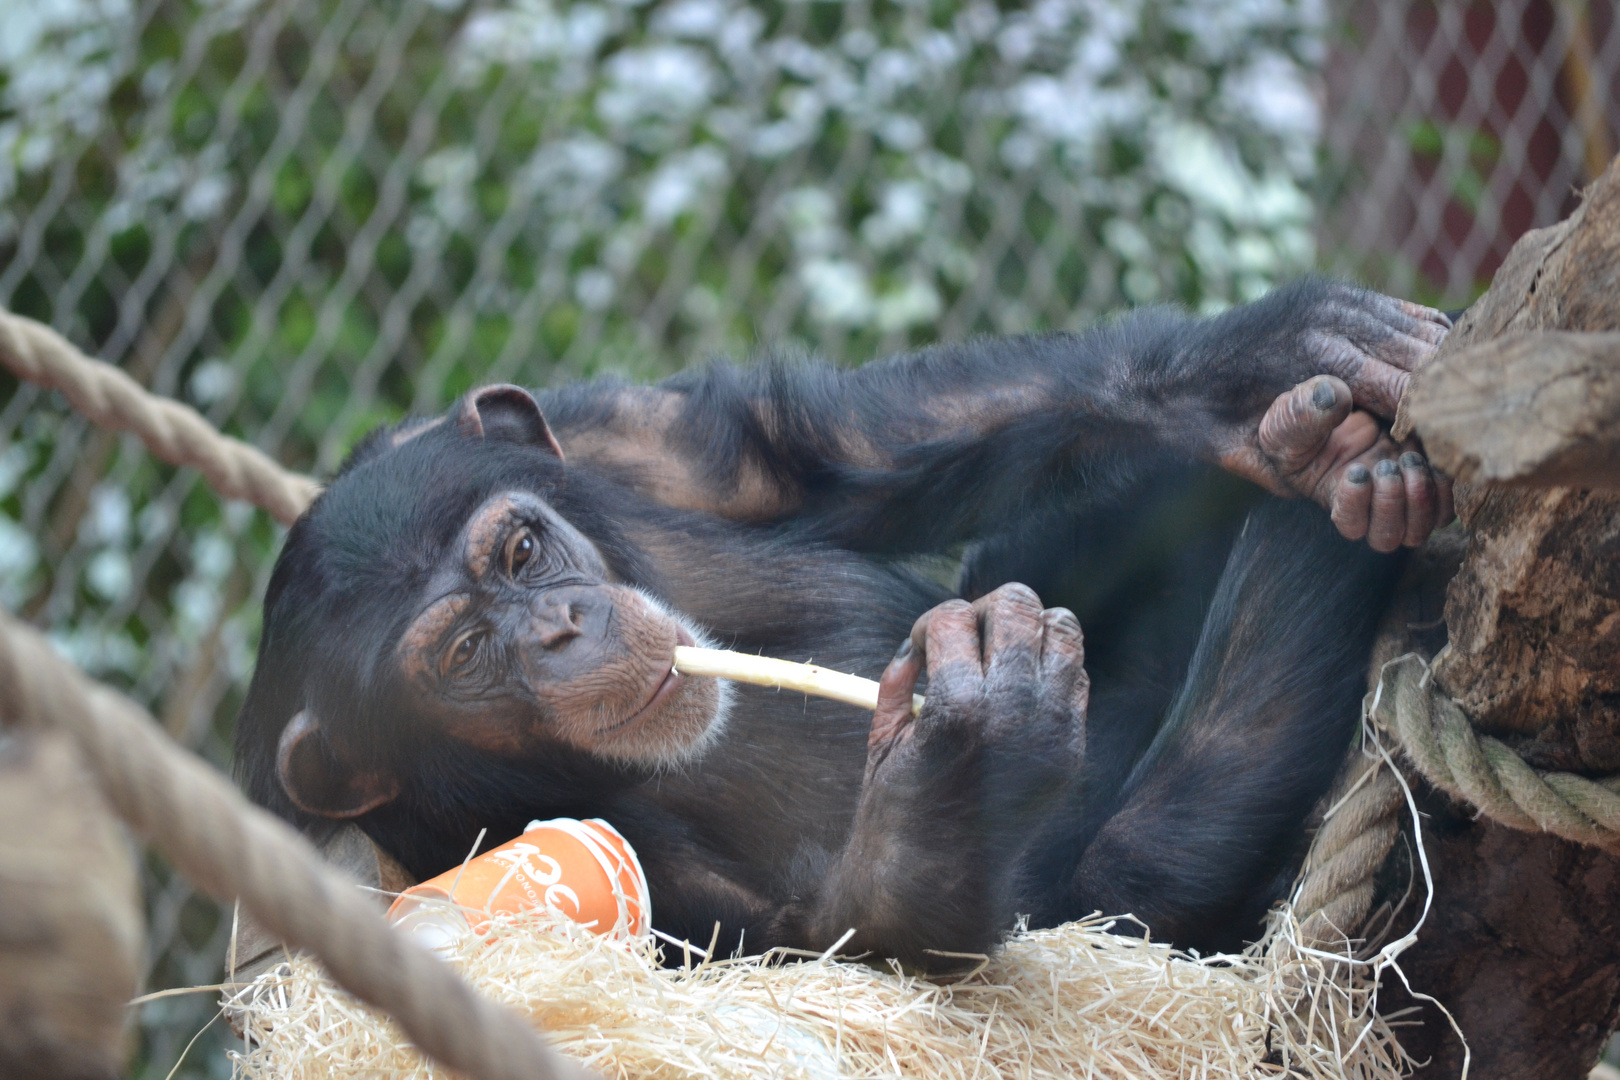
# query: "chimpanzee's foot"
1318,445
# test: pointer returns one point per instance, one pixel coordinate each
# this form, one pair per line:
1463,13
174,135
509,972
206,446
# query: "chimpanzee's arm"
951,801
928,448
955,797
1213,812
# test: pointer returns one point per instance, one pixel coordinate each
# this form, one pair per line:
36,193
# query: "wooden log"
71,933
1520,946
1541,409
1534,614
1523,942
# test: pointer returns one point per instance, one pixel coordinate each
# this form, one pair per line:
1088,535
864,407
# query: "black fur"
1227,666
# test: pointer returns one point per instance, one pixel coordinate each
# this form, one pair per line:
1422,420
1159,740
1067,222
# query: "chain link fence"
307,217
1452,128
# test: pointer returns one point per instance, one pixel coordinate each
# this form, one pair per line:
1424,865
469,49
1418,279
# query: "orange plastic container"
581,870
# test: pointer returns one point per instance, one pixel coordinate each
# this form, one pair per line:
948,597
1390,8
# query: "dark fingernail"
1357,474
1411,460
1323,396
1387,467
903,651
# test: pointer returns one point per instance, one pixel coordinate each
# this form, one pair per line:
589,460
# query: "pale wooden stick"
782,674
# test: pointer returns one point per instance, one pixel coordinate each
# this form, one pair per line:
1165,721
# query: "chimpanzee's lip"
661,693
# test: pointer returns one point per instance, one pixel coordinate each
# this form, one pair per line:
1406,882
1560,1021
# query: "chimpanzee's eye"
465,650
522,551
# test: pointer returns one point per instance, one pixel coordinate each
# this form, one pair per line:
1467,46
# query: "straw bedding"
1074,1001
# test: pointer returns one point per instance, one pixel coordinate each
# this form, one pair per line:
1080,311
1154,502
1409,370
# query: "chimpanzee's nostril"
557,624
567,630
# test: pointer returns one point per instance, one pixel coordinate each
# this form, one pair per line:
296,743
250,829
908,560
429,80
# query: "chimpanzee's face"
433,593
523,639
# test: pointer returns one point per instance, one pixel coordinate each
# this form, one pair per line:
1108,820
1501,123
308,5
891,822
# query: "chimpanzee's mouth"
665,689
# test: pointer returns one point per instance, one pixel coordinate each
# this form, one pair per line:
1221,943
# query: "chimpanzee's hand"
1316,327
954,797
1312,443
1006,708
1353,352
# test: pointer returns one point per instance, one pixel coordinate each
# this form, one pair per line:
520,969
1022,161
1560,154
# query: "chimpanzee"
473,626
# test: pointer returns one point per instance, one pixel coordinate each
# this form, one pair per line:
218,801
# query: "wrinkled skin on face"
519,641
528,640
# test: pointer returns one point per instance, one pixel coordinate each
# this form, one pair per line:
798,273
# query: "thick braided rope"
232,849
1337,887
174,432
1337,890
1442,743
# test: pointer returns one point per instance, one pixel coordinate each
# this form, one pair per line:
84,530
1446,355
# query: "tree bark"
1541,409
1522,944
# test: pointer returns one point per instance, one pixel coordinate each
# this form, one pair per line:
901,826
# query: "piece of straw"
783,675
1072,1001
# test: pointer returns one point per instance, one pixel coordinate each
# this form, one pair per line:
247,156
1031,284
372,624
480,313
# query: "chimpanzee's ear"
317,783
505,411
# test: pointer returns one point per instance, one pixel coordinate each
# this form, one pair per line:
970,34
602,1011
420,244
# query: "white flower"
213,380
679,181
690,18
108,519
902,213
108,575
916,303
672,81
1271,89
19,555
839,291
594,289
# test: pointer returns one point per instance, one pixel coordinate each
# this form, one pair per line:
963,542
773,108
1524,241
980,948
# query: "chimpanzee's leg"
1212,812
1139,570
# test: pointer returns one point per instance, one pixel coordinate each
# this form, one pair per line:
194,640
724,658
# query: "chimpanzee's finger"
1010,630
919,633
1063,643
1405,351
893,715
948,638
1375,385
1386,527
1352,501
1427,314
1421,499
1397,339
1425,323
1299,424
1378,387
1063,658
1444,510
1301,461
